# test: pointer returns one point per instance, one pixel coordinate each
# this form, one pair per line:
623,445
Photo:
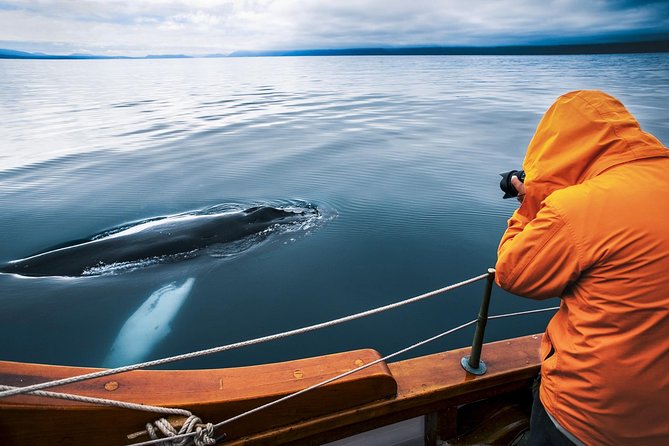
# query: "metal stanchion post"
473,363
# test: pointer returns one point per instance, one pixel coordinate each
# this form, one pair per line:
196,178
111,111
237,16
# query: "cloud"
218,26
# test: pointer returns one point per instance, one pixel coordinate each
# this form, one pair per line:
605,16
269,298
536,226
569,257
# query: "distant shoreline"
655,46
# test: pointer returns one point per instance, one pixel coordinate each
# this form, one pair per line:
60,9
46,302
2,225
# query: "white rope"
350,372
105,402
108,372
522,313
203,434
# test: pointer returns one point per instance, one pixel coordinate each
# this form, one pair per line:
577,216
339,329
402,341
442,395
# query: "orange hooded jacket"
593,229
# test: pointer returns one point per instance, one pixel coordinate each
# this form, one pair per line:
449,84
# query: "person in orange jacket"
593,229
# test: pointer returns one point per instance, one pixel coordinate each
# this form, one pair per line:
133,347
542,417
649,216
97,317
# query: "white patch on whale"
147,326
163,223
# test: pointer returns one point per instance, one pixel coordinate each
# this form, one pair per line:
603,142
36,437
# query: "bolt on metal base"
480,370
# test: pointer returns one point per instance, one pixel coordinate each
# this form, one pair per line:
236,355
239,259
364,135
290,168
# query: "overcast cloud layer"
140,27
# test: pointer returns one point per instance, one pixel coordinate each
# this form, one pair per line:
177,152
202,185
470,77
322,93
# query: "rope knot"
204,433
204,436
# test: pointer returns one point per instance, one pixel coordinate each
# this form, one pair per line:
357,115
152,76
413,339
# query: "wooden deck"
434,385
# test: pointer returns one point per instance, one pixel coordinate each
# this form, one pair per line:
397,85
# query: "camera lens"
506,185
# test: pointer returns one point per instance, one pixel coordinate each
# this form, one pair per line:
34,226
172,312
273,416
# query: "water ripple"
406,149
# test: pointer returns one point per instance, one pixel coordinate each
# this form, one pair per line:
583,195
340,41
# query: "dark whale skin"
169,236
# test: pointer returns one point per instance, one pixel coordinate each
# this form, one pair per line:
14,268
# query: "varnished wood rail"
433,385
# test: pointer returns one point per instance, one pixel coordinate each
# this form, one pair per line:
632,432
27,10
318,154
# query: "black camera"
505,182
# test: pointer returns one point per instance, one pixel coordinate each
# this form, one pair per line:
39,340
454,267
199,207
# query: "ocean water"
400,154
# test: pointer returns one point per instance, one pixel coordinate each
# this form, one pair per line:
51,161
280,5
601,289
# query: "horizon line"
650,46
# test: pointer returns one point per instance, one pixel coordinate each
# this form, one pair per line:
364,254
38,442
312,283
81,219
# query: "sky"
199,27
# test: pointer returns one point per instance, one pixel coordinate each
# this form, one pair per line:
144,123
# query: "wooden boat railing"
434,386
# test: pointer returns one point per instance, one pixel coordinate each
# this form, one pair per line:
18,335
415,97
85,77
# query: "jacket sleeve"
538,257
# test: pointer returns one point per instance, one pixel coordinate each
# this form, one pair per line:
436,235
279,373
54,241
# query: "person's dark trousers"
542,429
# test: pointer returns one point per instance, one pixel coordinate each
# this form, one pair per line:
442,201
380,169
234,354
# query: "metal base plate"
480,370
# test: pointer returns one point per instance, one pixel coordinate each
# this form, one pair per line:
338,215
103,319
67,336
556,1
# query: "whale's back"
268,214
159,240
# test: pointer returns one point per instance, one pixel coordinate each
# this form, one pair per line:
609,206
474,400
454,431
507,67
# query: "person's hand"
520,187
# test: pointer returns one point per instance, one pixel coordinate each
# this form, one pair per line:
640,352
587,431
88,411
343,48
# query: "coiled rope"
202,436
108,372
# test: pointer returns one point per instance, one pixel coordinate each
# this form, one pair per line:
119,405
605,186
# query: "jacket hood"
581,135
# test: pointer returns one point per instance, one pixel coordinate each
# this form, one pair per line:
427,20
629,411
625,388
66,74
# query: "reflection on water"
406,151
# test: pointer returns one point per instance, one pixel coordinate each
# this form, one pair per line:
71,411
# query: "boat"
353,397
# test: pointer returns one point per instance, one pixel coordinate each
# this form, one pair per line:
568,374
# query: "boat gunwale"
404,389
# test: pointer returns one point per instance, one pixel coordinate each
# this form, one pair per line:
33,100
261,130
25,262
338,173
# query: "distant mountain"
12,54
166,56
655,46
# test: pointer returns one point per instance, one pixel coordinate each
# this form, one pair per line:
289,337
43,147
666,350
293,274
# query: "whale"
159,240
148,325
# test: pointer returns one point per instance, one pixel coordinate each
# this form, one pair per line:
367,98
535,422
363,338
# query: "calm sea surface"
402,154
